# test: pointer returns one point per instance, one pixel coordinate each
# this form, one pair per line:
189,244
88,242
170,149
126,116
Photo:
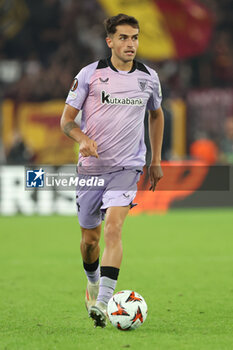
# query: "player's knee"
89,245
112,233
89,242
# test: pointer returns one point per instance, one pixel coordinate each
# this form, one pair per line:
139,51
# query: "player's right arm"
87,146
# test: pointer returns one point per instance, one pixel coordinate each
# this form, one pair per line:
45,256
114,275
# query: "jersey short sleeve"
78,91
80,87
155,99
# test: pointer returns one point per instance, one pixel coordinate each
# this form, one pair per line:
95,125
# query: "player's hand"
156,173
88,147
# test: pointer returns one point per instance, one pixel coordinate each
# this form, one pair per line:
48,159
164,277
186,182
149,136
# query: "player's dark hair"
111,23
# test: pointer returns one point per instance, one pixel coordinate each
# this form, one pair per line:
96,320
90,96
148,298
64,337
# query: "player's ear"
109,42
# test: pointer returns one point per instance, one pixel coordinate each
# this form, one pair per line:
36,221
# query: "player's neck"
120,65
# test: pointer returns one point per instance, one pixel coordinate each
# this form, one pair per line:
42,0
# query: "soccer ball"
127,310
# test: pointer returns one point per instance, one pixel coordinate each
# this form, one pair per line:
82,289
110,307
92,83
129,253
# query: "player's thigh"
115,217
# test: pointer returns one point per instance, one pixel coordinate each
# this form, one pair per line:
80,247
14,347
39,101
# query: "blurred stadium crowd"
49,41
59,37
56,40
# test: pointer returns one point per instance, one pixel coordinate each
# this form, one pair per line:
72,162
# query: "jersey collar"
113,68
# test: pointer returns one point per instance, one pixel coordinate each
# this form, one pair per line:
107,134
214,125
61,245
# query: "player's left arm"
156,127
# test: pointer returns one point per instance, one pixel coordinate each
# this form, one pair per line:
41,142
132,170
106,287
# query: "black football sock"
92,271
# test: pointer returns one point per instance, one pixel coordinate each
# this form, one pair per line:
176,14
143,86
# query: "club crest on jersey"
104,80
142,84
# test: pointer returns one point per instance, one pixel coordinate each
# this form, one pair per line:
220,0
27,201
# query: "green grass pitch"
181,262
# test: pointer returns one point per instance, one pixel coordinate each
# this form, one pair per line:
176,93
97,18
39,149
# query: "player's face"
124,42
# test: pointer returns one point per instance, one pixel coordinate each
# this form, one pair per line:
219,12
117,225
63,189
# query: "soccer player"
113,95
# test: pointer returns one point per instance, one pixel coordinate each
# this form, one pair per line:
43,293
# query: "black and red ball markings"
133,298
122,329
120,310
137,316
